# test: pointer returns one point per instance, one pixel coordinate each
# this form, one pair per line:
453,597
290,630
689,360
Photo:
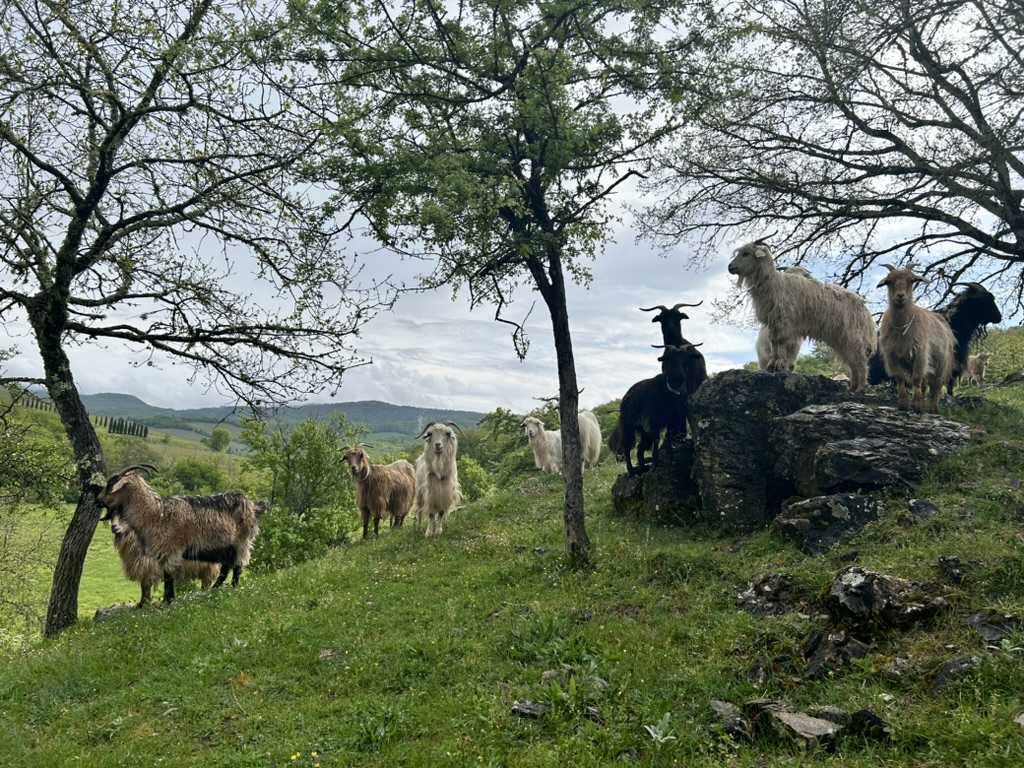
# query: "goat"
146,571
671,322
917,344
967,314
794,308
790,349
438,492
654,405
590,438
381,488
546,445
974,373
212,529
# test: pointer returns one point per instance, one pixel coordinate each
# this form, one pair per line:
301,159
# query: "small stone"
995,627
827,652
804,729
866,723
767,595
954,569
758,674
953,670
594,715
529,709
731,719
326,654
899,668
550,674
868,600
1020,720
113,611
922,509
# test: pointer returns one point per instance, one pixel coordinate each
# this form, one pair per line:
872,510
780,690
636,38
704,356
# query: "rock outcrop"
823,449
866,600
817,524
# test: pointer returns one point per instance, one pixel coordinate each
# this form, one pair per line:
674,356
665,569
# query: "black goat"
671,322
967,314
658,404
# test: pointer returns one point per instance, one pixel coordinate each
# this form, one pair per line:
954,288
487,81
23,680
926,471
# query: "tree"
861,130
219,439
488,137
146,162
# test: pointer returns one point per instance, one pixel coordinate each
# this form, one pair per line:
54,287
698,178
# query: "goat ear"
883,282
119,484
919,279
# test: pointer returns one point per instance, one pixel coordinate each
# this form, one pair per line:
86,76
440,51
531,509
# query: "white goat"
590,438
546,445
917,345
793,308
790,349
438,492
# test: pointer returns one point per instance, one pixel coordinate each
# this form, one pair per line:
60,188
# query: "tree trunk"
62,611
577,542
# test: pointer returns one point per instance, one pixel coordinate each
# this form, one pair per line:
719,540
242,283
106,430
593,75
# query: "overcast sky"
431,351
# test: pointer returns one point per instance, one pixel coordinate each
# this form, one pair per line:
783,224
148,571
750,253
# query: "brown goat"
917,345
381,488
146,571
975,370
213,529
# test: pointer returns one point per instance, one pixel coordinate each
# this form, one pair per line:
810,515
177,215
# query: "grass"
406,651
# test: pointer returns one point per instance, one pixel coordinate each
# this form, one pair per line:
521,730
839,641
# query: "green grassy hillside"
406,651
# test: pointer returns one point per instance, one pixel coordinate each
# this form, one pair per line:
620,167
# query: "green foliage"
474,479
195,476
302,475
219,439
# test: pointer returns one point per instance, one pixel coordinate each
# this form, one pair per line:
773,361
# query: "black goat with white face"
671,320
656,405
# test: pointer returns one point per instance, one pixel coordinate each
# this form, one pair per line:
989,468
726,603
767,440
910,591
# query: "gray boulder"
664,494
868,600
732,416
856,446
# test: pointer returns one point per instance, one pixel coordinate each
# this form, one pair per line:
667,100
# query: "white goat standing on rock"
793,308
438,492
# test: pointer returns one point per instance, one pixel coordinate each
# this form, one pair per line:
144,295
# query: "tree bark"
577,542
62,610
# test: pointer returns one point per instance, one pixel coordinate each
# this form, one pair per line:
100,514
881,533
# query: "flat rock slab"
782,721
869,600
732,417
856,446
818,524
995,627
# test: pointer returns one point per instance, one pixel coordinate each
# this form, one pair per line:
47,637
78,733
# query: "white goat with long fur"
546,445
793,308
790,350
438,492
590,438
917,345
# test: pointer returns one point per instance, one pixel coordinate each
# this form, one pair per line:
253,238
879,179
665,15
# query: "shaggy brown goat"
381,488
212,529
146,571
917,344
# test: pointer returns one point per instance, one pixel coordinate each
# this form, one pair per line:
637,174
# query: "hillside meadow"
408,651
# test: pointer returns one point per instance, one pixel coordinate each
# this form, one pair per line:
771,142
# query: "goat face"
900,283
673,366
358,463
439,437
750,259
984,303
533,427
116,493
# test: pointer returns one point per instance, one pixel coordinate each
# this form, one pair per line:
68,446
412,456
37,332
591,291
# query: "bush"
286,539
474,479
219,439
199,477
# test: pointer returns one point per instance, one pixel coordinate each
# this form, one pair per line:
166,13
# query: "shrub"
219,439
474,479
199,477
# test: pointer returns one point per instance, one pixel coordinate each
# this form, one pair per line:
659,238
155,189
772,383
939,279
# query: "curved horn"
697,345
681,304
133,467
662,307
455,426
366,445
890,267
968,285
423,434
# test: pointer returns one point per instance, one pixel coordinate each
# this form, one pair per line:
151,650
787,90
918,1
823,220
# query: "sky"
434,352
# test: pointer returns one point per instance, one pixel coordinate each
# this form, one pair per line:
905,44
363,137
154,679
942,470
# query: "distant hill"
378,416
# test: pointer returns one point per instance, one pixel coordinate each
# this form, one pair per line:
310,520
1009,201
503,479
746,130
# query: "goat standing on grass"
917,345
793,308
438,492
546,445
212,529
590,438
976,367
381,489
